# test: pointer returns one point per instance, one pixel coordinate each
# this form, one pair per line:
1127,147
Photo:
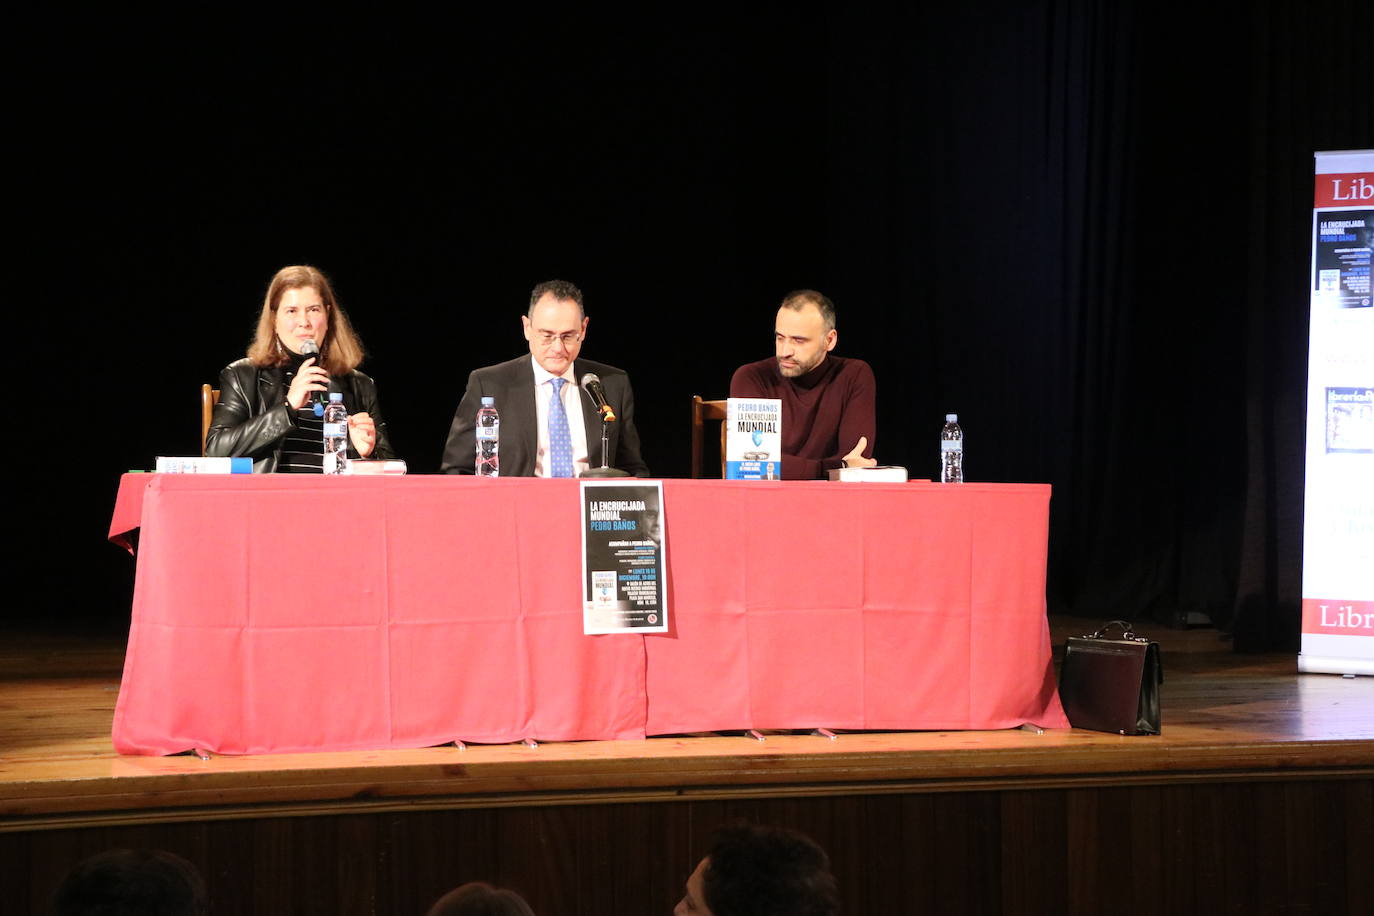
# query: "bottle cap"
951,418
488,401
336,397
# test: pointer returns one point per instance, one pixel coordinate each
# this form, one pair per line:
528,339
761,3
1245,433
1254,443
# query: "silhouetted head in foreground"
761,871
478,899
131,882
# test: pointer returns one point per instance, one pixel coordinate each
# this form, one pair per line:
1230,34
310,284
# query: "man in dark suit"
549,426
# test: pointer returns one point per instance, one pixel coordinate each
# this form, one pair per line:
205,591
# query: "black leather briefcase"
1112,685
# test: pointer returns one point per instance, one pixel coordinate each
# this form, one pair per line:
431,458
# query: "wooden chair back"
701,412
209,397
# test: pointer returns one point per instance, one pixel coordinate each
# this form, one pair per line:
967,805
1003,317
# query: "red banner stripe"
1338,618
1346,189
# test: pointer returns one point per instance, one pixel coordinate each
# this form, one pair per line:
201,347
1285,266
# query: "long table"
281,613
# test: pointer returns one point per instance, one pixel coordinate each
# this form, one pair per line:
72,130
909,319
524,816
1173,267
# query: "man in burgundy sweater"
828,417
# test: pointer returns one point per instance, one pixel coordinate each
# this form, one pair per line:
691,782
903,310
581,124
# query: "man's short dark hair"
147,882
798,298
561,290
477,898
768,871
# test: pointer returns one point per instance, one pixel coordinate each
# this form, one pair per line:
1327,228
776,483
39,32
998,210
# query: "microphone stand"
604,471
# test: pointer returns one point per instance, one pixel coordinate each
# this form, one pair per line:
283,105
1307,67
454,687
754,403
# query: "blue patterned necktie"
560,440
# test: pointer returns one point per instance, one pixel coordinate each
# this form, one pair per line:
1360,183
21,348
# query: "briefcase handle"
1127,631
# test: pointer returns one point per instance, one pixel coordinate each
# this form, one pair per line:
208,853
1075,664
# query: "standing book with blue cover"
753,439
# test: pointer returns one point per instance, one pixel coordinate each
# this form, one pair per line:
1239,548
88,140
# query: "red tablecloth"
279,613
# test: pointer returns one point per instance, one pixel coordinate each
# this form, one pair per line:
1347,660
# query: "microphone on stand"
591,383
308,349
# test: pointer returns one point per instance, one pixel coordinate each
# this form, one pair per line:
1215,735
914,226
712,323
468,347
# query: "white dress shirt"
572,404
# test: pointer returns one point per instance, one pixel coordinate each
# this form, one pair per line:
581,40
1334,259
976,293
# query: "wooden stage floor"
1226,718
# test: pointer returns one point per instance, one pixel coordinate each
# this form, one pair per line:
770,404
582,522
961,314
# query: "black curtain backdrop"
1083,226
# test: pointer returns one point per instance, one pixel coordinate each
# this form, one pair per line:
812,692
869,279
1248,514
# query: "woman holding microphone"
304,344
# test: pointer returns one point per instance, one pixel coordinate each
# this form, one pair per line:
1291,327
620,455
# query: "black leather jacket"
251,419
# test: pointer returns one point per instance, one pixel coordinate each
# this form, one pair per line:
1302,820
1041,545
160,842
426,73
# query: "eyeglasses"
567,339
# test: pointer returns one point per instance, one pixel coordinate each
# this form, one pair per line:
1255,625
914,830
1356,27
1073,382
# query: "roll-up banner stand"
1338,521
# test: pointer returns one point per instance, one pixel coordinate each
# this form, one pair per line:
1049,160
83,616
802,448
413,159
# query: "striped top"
302,451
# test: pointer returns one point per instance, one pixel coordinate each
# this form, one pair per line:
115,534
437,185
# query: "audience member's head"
131,882
761,871
478,899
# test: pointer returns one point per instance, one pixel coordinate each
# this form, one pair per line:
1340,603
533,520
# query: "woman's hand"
363,432
310,378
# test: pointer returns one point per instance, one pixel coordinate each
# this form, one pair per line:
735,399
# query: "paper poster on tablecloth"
624,551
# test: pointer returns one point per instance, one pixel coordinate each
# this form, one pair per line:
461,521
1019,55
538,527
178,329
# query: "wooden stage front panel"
1259,796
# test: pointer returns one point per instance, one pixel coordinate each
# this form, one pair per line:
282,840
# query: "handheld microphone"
591,383
308,349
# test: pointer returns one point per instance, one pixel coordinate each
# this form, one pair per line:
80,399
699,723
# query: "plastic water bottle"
335,434
488,439
951,450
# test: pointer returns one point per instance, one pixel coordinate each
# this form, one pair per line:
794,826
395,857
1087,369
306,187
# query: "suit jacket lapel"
271,388
521,418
